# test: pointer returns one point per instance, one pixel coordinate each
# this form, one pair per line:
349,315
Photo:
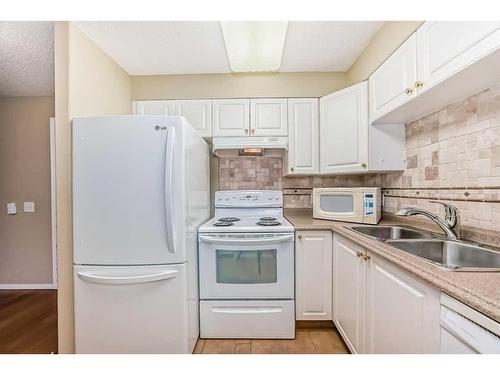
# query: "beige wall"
386,41
87,83
198,86
25,246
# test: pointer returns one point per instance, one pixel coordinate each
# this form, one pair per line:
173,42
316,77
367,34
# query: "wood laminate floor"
310,338
28,321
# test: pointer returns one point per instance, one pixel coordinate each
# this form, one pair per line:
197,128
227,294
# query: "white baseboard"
27,286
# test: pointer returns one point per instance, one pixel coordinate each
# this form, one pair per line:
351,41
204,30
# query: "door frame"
53,200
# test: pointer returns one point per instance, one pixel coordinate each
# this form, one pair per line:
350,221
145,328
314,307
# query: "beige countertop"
479,290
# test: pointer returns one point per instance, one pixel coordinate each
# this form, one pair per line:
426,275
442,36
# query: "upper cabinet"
153,107
231,117
443,48
303,142
344,130
392,84
268,117
198,113
441,63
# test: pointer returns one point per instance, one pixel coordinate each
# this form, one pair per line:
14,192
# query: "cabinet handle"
363,165
408,91
418,84
299,236
366,258
292,168
252,131
246,131
359,254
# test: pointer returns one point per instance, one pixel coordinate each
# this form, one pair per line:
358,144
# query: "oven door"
338,204
246,266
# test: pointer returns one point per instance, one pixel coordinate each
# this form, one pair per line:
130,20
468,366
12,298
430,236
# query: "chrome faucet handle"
450,213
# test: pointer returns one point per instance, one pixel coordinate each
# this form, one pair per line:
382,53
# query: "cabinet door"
349,281
268,117
444,48
303,145
344,130
153,107
313,275
402,313
392,84
231,117
198,113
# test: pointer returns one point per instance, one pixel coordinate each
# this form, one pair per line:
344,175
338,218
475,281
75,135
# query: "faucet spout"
446,225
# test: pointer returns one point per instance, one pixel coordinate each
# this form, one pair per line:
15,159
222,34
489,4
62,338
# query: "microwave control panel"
369,203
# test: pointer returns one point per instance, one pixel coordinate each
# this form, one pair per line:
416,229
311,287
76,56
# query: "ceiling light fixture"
254,46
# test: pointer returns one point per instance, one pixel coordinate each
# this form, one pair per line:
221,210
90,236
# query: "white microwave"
356,205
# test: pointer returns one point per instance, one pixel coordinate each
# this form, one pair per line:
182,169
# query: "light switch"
11,208
29,206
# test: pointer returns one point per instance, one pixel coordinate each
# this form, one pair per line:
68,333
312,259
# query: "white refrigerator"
141,189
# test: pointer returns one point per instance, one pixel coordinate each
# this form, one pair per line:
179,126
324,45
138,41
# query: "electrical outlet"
29,206
11,208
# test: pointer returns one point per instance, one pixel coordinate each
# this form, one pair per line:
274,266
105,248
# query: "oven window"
246,266
336,203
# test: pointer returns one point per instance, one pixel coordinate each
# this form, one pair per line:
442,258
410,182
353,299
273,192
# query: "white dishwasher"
467,331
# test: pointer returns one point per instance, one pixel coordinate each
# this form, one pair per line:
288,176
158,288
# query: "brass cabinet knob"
292,168
418,84
246,131
366,257
363,165
252,131
359,254
299,236
408,91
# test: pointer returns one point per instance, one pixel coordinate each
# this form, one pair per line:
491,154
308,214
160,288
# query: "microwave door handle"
169,209
245,241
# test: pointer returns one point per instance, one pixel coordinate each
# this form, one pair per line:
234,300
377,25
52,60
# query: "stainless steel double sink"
443,252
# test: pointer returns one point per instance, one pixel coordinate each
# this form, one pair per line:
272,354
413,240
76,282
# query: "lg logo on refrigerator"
158,127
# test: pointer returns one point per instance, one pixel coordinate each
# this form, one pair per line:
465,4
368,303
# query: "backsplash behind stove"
261,173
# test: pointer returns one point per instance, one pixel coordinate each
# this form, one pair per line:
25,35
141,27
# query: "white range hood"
250,146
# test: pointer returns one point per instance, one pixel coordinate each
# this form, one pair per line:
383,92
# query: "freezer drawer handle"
169,209
247,310
246,240
138,279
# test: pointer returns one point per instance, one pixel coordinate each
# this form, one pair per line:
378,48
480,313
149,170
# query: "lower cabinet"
349,295
313,275
378,308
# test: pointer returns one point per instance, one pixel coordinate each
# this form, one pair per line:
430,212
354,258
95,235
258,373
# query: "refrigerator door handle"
116,280
169,164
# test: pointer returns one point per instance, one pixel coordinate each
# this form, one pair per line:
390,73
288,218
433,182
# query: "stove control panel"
254,198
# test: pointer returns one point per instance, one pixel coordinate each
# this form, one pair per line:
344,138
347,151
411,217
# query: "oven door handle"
245,241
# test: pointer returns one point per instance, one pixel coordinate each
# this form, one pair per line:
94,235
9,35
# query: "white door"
344,130
153,107
402,314
313,272
231,117
198,113
126,190
444,48
349,292
392,84
303,141
268,117
135,309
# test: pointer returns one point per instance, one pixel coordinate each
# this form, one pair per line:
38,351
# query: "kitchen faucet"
447,225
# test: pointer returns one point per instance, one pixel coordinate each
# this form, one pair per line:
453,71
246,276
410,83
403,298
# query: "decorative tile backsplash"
452,155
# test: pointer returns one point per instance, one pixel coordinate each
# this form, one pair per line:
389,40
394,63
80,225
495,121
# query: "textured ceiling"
26,59
173,47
